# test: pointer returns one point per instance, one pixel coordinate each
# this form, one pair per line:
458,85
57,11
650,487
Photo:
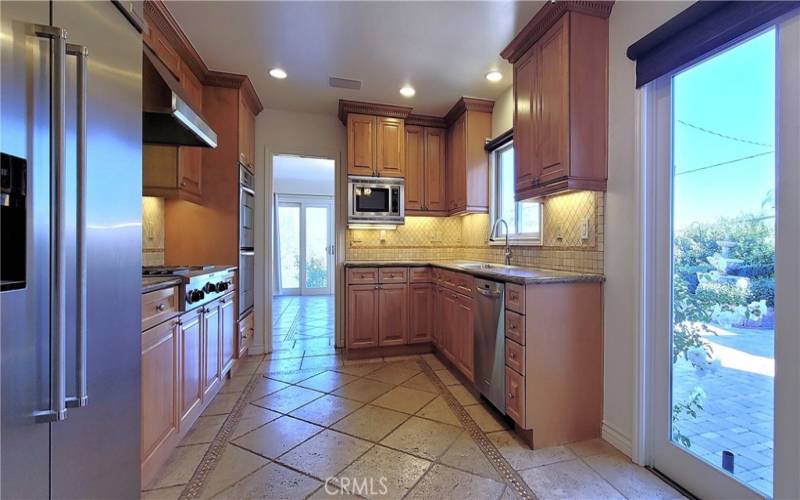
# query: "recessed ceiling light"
277,73
494,76
408,91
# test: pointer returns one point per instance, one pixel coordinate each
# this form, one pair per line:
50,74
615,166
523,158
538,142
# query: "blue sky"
732,94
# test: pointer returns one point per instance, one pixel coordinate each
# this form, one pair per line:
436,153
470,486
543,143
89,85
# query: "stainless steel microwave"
375,200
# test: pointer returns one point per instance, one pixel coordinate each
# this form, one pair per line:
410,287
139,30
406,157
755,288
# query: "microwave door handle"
82,397
57,409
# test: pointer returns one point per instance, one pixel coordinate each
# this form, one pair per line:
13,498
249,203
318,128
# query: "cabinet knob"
510,395
512,355
161,307
183,183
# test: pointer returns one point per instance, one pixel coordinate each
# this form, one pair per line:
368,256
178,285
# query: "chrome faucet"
494,232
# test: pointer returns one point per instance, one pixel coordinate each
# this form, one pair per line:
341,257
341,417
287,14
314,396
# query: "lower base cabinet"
191,363
420,314
393,313
246,332
228,331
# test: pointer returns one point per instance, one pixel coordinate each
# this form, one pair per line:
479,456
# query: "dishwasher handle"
489,293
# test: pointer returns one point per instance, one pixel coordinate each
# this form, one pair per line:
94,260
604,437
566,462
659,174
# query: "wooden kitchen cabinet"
190,342
420,303
157,41
375,145
190,160
228,331
361,157
425,186
390,152
246,332
467,163
464,337
211,349
363,303
247,132
449,307
561,100
393,313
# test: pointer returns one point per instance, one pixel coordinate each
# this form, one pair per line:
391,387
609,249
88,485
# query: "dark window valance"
699,30
500,140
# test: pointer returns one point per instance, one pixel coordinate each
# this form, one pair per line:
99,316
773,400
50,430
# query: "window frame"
515,239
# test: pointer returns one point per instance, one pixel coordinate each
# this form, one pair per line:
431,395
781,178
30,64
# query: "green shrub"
754,270
711,293
762,289
689,274
754,237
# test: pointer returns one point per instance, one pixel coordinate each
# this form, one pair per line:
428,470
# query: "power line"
724,136
723,163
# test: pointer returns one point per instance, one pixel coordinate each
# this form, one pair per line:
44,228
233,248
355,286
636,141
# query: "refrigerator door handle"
82,397
58,255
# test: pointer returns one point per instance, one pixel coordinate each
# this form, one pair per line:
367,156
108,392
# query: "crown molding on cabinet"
370,108
426,121
467,104
157,13
546,18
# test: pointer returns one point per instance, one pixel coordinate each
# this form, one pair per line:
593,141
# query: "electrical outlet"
585,229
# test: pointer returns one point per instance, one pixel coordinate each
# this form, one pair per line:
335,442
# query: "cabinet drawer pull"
512,355
161,307
510,395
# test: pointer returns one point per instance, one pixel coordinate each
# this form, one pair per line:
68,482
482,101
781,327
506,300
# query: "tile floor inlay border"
507,472
215,450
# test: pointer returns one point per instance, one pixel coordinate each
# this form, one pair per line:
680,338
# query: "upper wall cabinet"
375,138
247,133
561,99
467,163
425,188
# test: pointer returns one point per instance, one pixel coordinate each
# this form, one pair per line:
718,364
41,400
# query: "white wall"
303,176
629,22
503,112
286,132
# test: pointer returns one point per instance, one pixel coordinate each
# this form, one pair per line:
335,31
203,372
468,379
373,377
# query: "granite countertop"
513,274
153,283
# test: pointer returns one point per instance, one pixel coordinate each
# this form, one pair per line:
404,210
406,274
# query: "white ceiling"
443,49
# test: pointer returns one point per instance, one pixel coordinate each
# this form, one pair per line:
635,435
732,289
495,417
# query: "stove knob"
210,287
189,298
222,286
196,296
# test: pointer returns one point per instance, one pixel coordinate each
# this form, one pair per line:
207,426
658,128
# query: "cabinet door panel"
390,150
360,144
435,195
159,386
415,168
191,365
362,316
553,122
465,337
227,321
457,172
393,312
420,312
526,162
190,170
448,327
211,342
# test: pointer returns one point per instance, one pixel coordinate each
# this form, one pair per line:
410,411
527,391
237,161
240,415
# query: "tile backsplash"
466,237
152,231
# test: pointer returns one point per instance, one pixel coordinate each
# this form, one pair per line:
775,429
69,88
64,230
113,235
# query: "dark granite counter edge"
553,277
160,285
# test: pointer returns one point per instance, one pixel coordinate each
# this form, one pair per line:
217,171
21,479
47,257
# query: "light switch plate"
585,229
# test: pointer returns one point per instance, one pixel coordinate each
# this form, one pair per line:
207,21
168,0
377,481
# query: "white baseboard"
617,439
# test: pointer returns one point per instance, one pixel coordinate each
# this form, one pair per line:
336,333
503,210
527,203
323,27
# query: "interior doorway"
303,236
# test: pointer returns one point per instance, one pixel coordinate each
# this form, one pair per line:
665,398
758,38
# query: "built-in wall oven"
375,200
247,206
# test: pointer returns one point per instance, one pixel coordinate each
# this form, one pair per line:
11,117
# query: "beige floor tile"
329,362
390,473
204,430
180,467
508,494
248,365
630,479
433,362
233,466
591,447
222,404
370,422
273,481
288,399
446,377
286,354
265,386
295,376
327,410
354,362
521,457
325,454
327,381
332,491
163,494
444,483
277,437
404,399
421,382
423,438
363,390
464,454
253,417
438,410
463,395
392,374
404,360
360,369
279,365
235,384
568,480
489,420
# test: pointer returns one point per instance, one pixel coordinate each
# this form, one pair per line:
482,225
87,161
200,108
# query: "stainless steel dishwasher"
490,341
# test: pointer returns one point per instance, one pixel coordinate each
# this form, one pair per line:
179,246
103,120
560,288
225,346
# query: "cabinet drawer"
515,396
421,274
515,297
393,274
159,306
515,327
362,275
464,282
515,356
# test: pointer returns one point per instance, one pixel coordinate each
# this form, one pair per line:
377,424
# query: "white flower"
715,365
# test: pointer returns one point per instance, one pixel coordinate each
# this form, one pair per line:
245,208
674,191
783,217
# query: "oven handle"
247,189
247,252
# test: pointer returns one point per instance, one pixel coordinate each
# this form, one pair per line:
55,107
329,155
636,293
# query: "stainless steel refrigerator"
71,140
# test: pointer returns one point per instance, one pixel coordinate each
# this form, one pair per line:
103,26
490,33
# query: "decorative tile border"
510,476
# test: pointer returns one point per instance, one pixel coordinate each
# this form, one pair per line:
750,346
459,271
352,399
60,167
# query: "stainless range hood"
168,118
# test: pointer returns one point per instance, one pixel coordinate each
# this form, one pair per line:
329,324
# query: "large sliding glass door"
715,154
304,243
